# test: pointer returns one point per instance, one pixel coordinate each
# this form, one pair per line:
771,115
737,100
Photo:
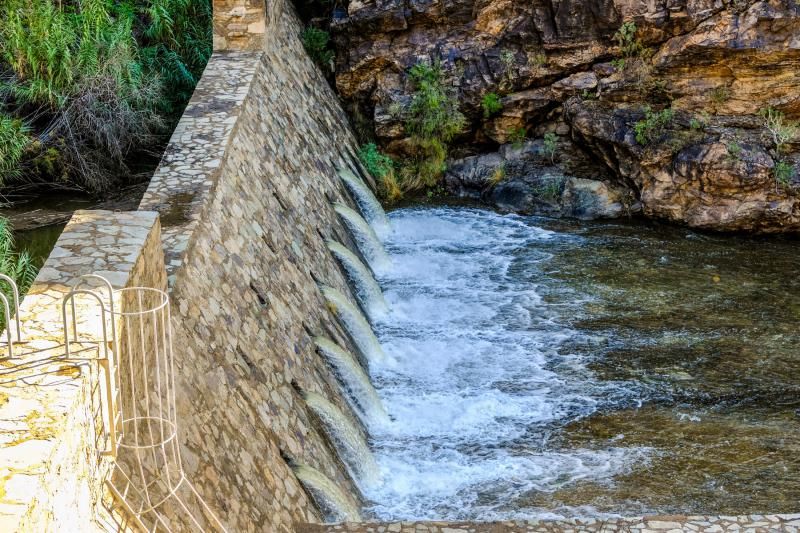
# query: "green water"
707,327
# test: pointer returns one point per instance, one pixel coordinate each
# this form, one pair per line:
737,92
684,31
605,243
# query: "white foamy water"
475,379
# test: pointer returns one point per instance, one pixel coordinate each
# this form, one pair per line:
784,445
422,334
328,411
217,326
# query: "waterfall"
367,288
349,441
356,324
334,501
370,206
365,236
355,380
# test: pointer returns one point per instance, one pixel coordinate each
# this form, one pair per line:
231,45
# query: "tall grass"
17,266
92,81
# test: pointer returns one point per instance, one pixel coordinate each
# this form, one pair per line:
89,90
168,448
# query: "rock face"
718,62
523,179
717,178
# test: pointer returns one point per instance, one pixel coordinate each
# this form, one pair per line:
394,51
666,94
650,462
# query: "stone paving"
653,524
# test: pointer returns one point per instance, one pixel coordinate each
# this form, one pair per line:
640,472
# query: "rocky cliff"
653,105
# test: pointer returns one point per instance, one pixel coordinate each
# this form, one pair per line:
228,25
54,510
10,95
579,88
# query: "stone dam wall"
234,223
233,226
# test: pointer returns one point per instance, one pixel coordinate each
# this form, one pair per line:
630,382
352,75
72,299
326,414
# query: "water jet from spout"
366,200
355,323
333,500
368,404
368,242
367,289
349,441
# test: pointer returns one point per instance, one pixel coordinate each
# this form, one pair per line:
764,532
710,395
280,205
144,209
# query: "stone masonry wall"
239,24
244,191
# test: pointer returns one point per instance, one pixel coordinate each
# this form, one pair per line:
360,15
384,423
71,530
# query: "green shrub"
629,45
517,136
317,44
783,172
491,104
14,138
550,146
653,126
720,95
376,163
550,188
17,266
538,61
382,168
734,150
433,121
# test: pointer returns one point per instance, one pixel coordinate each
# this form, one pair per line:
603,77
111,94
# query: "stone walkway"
654,524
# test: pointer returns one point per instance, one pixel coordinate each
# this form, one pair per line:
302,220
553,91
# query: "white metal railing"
139,417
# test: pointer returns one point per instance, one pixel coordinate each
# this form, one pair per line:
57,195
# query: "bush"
780,130
491,104
433,121
653,126
317,44
517,136
103,79
382,168
783,173
538,61
498,175
17,266
629,45
550,146
550,188
734,150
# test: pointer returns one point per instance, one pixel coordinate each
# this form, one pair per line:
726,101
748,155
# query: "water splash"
481,372
356,381
367,288
356,324
365,237
350,442
334,501
369,204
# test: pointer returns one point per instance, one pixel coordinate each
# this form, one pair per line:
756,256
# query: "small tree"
781,132
550,140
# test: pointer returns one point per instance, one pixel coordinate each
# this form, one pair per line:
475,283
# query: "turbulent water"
538,368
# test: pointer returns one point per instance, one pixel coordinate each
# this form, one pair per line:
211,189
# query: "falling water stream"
542,368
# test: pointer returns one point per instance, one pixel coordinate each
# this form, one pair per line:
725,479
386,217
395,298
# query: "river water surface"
554,368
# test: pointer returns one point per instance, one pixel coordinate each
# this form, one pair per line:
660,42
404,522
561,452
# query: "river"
539,368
